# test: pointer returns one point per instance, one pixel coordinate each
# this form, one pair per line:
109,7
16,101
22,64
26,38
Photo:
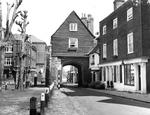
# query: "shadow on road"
75,91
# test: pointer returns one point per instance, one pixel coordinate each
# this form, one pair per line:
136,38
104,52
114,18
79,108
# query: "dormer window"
73,27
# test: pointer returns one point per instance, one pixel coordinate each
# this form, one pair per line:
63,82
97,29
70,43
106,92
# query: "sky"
46,16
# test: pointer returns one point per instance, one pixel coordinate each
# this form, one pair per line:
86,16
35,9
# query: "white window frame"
130,14
104,51
115,47
104,29
75,44
115,23
8,62
130,43
9,49
73,27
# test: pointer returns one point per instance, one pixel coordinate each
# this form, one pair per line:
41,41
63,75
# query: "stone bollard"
42,103
33,106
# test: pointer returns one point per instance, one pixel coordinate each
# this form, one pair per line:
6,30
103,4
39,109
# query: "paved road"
97,103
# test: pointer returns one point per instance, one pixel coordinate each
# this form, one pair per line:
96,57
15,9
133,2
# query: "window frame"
130,14
130,43
73,27
75,44
104,29
8,62
129,75
115,23
115,47
105,50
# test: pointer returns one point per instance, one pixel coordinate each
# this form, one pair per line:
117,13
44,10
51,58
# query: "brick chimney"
118,3
90,23
84,19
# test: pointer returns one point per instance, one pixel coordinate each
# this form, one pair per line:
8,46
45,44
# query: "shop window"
129,74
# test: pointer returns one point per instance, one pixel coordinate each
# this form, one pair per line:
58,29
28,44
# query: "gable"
62,44
63,30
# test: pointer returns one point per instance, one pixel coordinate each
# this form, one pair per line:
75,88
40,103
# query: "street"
87,102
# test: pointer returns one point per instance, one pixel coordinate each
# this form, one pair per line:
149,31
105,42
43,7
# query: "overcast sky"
45,16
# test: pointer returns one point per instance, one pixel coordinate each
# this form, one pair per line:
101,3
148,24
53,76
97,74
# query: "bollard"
5,85
42,103
46,97
33,106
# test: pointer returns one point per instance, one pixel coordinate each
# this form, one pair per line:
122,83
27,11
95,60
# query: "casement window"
130,43
9,48
115,23
73,27
129,74
129,14
104,30
104,51
8,61
73,43
115,47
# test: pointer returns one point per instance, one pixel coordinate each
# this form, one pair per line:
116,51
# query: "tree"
6,39
22,24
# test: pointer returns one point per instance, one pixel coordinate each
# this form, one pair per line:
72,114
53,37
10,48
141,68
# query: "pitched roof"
34,39
94,50
74,13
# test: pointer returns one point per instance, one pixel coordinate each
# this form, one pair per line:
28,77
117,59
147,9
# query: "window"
129,14
115,47
73,27
9,49
73,43
93,60
115,23
104,51
129,74
104,29
104,74
130,43
117,73
8,61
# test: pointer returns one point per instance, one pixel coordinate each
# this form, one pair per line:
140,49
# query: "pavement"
130,95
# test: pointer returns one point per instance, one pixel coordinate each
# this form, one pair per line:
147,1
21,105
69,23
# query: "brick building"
125,46
40,57
72,41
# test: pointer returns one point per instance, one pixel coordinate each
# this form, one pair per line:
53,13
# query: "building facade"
71,42
40,57
124,46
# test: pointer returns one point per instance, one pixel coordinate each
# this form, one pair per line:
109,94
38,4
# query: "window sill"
115,56
104,58
72,49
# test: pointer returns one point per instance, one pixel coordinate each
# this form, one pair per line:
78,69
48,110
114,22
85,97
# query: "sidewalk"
129,95
61,104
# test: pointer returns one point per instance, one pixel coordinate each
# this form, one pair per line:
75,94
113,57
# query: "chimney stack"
84,19
88,21
118,3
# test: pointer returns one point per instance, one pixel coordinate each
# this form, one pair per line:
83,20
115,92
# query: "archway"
79,73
